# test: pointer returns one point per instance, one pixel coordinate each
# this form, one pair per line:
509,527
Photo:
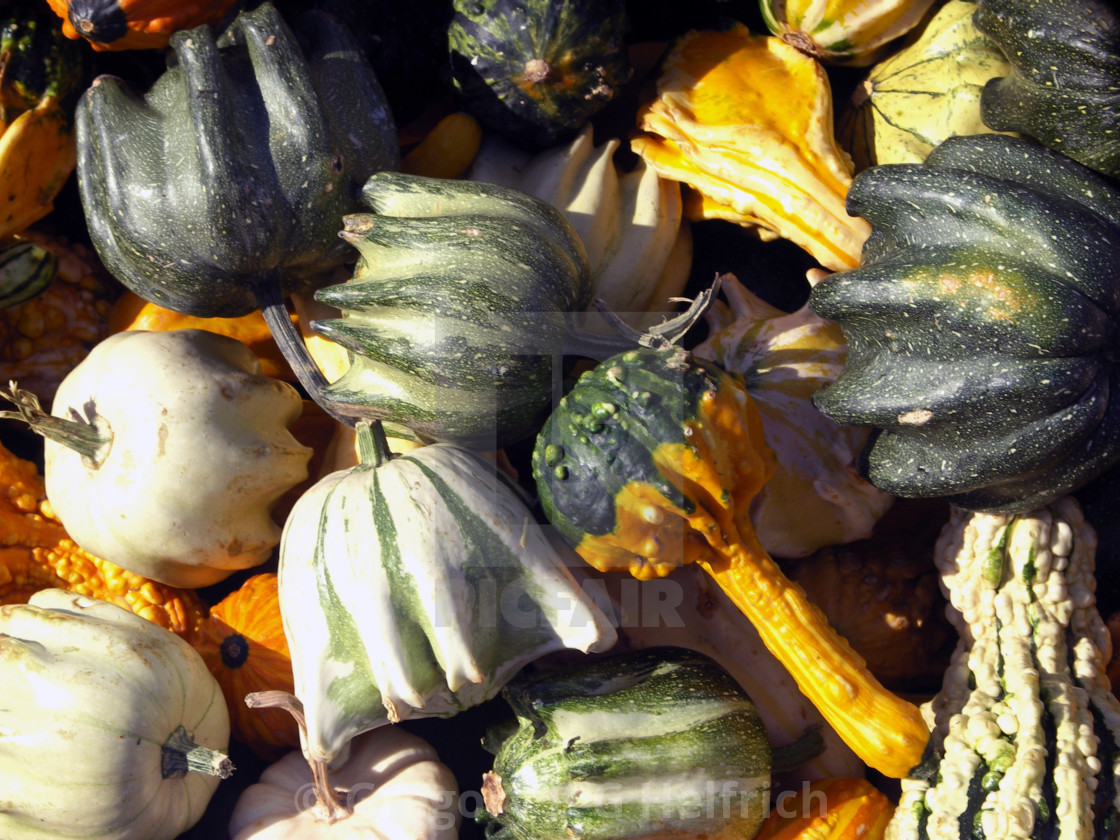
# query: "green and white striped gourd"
415,586
654,743
26,270
1025,727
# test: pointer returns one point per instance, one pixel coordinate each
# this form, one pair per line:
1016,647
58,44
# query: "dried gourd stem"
181,755
90,436
271,303
329,807
578,342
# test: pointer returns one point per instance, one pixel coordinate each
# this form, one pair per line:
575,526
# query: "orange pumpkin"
132,312
134,24
244,647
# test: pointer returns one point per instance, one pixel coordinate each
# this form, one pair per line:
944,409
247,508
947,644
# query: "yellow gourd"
746,121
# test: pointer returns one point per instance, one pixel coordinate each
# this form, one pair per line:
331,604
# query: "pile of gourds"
341,389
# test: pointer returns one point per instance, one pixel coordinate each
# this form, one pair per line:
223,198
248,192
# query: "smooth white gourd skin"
417,589
393,780
90,694
200,451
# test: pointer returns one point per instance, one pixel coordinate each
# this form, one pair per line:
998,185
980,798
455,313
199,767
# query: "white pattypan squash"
167,452
638,245
392,786
110,726
416,585
816,497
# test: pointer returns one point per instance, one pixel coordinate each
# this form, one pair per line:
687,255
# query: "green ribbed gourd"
1063,85
233,172
536,72
456,308
981,325
660,742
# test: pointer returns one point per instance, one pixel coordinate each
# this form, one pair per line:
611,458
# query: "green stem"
182,755
81,435
266,291
790,756
373,443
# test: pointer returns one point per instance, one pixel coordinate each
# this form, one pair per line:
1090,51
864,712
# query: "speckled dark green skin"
1063,88
603,435
40,61
625,724
237,166
981,325
583,41
457,308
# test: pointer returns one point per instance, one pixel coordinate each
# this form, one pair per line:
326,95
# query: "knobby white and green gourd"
816,496
110,726
1025,727
417,585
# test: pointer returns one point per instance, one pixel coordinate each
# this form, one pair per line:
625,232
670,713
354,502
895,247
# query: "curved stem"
580,342
330,807
81,435
266,291
181,755
373,443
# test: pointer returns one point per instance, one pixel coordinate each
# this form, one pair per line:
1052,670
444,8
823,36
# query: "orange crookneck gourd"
651,461
746,122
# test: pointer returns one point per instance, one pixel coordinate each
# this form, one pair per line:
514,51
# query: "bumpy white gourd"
816,498
99,708
416,585
192,450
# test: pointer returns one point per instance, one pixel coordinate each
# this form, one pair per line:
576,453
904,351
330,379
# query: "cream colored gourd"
391,786
630,222
923,94
852,32
190,450
816,497
100,711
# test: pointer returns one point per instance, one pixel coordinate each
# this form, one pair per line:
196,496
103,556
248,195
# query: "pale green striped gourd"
654,743
417,585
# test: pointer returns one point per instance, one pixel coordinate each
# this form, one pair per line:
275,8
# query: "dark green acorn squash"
38,62
456,308
981,325
1063,88
235,169
536,71
654,743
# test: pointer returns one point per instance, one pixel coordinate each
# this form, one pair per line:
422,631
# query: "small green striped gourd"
1025,727
654,743
415,586
26,270
852,32
924,93
535,71
455,308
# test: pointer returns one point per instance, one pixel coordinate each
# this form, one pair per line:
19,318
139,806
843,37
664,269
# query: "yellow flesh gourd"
746,121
